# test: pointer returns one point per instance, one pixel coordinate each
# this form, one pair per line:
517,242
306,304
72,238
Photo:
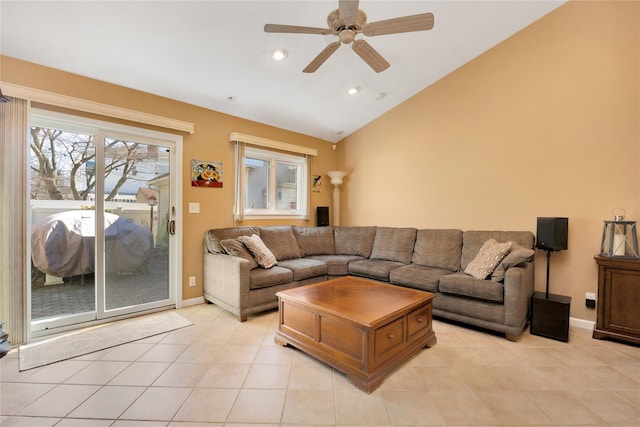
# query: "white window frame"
302,193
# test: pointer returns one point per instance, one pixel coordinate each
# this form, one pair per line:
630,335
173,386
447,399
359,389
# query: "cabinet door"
622,301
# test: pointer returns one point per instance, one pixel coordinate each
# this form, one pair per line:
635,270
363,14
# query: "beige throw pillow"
263,256
488,258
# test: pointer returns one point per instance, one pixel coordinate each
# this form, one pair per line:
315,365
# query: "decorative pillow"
263,256
213,237
488,258
517,255
236,248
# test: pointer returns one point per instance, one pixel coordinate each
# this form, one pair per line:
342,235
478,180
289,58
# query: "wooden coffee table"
361,327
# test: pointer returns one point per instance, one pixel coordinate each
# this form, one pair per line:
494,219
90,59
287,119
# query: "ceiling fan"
348,21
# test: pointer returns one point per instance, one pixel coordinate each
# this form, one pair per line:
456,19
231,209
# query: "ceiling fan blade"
405,24
278,28
370,55
322,56
348,11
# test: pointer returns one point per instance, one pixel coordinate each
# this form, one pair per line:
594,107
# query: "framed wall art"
206,174
317,183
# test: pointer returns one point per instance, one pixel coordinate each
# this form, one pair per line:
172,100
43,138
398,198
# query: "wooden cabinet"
618,301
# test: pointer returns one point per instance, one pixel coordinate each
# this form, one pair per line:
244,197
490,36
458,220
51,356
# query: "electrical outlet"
192,280
590,300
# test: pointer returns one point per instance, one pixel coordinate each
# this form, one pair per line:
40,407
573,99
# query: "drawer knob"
419,320
391,336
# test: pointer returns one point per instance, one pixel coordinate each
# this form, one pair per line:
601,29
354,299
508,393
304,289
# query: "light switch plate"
194,207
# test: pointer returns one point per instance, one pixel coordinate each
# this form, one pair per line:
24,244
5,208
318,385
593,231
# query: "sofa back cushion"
213,237
314,240
438,248
281,241
472,241
394,244
354,240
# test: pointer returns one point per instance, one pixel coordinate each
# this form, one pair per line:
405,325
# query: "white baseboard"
582,324
192,301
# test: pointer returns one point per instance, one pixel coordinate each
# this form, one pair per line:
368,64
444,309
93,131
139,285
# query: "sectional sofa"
435,260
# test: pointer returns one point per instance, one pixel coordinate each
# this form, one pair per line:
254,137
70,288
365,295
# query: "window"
274,184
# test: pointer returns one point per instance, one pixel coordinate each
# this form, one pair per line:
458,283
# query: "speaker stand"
548,263
550,313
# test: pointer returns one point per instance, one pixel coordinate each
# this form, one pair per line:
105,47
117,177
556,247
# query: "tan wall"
544,124
210,142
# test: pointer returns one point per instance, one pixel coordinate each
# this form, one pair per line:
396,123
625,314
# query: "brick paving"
77,294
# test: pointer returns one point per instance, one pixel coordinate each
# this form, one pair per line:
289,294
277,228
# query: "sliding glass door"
102,222
136,241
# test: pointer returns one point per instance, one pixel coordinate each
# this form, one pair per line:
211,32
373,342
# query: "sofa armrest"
226,282
518,288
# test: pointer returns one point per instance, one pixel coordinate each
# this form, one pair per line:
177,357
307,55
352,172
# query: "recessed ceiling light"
353,90
279,54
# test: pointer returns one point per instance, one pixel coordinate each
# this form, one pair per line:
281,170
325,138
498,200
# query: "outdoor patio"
77,294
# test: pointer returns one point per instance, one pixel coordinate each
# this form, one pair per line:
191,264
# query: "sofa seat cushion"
263,278
354,240
418,277
438,248
378,269
337,265
462,284
394,244
304,268
281,241
314,240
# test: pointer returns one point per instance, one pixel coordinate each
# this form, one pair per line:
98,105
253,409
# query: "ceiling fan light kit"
346,23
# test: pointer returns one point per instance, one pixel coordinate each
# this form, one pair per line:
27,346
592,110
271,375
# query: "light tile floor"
220,372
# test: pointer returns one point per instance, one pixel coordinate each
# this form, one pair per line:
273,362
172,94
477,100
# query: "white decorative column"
336,180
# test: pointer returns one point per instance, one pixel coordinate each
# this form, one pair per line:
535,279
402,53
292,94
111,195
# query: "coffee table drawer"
419,320
389,337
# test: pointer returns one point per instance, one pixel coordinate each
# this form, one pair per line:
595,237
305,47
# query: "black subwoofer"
550,316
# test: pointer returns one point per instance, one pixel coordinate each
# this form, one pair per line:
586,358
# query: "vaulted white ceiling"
215,54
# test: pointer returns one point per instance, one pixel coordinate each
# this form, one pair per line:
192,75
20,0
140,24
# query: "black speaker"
322,216
552,233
